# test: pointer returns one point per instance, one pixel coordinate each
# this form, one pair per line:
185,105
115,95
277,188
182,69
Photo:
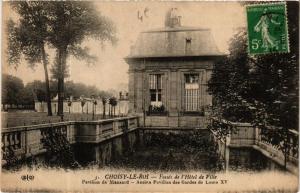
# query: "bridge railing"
28,140
244,134
276,148
97,131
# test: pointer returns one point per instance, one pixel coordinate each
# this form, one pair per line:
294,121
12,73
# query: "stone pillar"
173,98
131,93
173,93
227,157
139,92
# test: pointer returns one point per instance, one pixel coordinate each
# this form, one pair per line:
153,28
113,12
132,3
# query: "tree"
29,38
230,81
104,101
261,89
37,88
69,105
83,101
12,88
113,103
78,89
27,96
70,24
14,92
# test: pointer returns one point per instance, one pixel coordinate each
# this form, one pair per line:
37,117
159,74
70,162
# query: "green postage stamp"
267,28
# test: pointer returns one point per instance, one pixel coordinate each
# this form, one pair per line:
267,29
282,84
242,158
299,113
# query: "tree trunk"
62,57
103,111
109,111
48,97
87,108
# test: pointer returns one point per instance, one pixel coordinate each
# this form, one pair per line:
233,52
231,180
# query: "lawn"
13,119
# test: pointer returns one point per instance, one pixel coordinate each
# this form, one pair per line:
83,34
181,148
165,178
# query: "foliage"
70,23
113,102
12,88
59,150
56,71
62,25
37,88
157,110
69,103
29,39
14,91
230,81
78,89
243,85
14,46
191,150
260,89
221,128
83,101
29,36
104,101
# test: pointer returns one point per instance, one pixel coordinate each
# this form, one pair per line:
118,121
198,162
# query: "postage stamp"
267,28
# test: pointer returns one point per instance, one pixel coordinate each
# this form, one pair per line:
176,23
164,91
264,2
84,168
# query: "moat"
192,150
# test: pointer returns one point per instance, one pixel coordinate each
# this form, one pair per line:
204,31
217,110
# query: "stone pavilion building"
169,69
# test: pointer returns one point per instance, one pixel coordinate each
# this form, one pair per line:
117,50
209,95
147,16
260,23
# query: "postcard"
150,96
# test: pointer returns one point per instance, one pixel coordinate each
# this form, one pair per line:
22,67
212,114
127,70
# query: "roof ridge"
175,29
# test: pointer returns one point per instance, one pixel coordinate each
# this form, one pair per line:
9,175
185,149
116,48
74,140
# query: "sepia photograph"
150,96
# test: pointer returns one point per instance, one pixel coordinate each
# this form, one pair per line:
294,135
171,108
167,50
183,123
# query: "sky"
110,70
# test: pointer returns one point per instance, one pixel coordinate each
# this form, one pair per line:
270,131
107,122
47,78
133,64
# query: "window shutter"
147,91
164,90
201,89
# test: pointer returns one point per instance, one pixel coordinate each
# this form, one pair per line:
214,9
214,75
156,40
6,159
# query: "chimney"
173,19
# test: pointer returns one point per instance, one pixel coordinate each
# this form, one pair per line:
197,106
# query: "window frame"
192,99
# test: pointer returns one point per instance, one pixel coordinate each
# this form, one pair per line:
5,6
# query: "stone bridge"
245,135
26,141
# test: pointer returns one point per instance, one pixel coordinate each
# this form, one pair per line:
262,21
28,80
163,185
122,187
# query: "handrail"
260,140
28,140
249,124
38,126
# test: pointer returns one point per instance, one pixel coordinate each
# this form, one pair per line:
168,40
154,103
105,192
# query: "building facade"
169,69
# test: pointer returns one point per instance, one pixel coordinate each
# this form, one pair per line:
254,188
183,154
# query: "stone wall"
244,135
27,141
120,109
109,150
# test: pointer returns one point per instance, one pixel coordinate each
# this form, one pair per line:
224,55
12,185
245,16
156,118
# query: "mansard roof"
177,41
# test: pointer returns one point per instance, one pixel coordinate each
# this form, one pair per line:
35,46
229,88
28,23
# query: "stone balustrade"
97,131
292,141
245,135
26,141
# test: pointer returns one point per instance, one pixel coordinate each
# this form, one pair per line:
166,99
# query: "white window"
155,84
192,92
